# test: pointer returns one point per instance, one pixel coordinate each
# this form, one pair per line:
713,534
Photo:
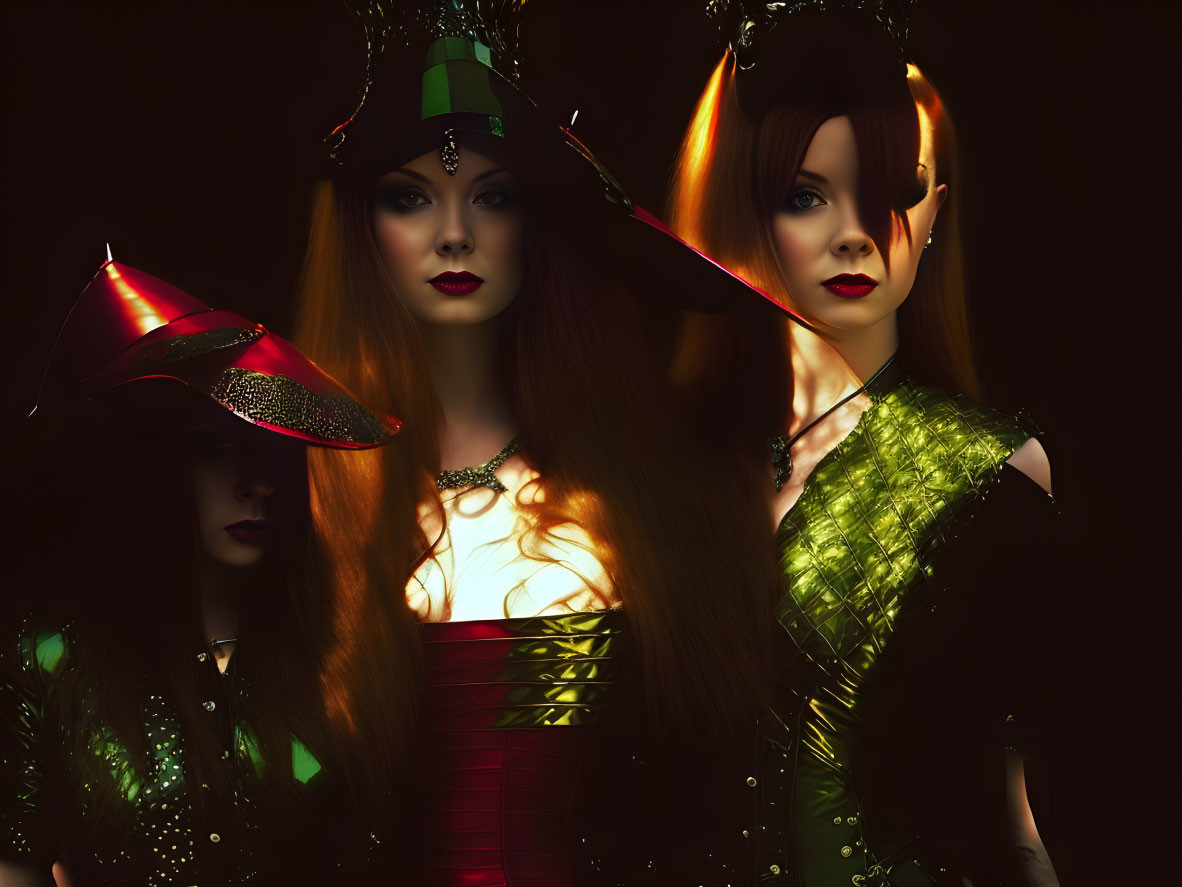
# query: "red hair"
732,172
692,564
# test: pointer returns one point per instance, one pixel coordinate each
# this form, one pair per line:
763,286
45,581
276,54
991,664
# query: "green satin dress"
884,535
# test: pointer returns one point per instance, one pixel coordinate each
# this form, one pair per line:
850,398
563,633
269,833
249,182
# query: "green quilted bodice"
857,552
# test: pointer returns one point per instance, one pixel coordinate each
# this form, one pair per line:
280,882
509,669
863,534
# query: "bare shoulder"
1031,459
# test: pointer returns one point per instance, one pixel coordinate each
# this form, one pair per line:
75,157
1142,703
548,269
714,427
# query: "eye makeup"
801,200
400,197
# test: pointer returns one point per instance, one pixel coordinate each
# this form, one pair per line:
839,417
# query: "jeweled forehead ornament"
471,54
458,79
449,153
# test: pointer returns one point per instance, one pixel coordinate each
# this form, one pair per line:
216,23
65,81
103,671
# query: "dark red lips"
456,283
250,532
850,286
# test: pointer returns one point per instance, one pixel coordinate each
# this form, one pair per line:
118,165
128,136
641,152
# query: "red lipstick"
850,286
250,532
456,283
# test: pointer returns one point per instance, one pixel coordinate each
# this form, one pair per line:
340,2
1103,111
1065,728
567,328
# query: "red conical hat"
128,325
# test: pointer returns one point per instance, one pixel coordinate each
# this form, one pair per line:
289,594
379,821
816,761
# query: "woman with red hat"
161,715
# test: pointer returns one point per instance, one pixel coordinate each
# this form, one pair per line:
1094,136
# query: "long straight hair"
732,172
131,599
599,422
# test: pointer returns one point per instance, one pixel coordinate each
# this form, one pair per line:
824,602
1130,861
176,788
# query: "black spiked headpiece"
744,22
825,53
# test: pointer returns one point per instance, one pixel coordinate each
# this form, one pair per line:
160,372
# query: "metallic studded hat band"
284,403
176,349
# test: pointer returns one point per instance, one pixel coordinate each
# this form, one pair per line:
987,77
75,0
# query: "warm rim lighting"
698,152
926,133
926,127
140,311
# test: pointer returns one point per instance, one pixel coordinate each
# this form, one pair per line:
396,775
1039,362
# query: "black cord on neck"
782,446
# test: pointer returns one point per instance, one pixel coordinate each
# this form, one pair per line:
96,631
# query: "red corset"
506,723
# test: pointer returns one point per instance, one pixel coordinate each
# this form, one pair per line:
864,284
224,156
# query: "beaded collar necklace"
782,446
477,475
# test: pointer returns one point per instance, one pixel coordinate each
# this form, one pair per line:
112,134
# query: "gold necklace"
477,475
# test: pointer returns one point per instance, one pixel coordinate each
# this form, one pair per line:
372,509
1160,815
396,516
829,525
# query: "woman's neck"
219,607
467,373
866,349
821,379
820,376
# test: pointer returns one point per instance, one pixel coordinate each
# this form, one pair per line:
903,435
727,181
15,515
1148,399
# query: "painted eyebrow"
487,174
820,179
410,173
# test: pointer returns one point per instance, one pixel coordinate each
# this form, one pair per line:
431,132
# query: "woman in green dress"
160,713
911,521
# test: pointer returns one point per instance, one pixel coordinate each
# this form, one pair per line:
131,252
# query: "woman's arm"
12,875
1034,868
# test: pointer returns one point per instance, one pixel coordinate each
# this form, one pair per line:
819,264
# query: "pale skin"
818,236
429,223
231,483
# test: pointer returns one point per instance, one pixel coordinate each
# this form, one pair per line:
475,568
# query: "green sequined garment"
59,762
858,552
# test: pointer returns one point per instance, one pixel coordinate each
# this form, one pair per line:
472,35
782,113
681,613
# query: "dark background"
188,136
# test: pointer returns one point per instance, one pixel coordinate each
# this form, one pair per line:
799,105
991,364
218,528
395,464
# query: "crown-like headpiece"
743,22
448,35
785,51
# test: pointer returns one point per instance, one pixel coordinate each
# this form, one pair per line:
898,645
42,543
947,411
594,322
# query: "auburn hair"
732,172
587,364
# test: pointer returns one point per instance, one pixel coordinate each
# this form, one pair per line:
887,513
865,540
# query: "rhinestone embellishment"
477,475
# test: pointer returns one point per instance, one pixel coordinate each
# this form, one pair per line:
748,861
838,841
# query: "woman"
911,521
160,716
464,266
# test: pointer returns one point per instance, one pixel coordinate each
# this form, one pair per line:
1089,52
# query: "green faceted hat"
445,72
456,80
434,70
